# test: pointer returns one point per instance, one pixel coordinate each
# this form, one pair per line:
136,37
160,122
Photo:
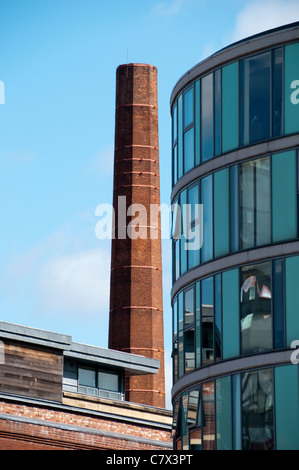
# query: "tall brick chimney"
136,308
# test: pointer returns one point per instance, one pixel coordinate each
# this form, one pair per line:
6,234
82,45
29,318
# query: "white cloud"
260,15
76,284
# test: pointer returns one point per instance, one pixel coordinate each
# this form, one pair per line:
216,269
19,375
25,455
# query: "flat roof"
132,364
249,45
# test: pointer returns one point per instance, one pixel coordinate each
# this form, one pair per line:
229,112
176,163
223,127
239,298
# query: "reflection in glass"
255,98
257,410
208,416
207,120
175,340
180,335
207,318
256,316
189,346
193,408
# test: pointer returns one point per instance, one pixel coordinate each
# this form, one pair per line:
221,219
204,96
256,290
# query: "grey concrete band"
235,260
227,367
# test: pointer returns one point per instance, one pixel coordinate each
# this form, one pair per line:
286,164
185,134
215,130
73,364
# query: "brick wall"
24,427
136,305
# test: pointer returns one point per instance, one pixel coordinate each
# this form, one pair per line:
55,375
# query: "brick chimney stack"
136,308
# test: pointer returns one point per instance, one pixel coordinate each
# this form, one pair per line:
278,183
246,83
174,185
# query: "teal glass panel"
174,123
236,400
223,414
230,314
284,196
278,304
221,213
197,326
174,165
189,149
218,318
292,299
277,92
262,201
230,107
175,340
234,207
183,254
188,107
217,111
207,202
193,254
180,137
207,118
292,88
287,407
207,320
197,122
255,98
181,367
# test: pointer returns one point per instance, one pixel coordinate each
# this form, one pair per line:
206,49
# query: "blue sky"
58,64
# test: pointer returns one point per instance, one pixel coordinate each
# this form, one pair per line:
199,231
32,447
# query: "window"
257,410
207,202
207,117
277,117
255,98
87,377
207,320
108,381
255,203
256,308
189,340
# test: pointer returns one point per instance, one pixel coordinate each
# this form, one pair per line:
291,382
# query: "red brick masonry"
136,307
37,428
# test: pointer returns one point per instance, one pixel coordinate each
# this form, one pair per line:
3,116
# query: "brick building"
60,395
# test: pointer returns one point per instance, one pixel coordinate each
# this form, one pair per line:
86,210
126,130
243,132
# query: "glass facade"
234,299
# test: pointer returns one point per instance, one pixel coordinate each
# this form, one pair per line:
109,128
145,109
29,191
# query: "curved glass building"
235,298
